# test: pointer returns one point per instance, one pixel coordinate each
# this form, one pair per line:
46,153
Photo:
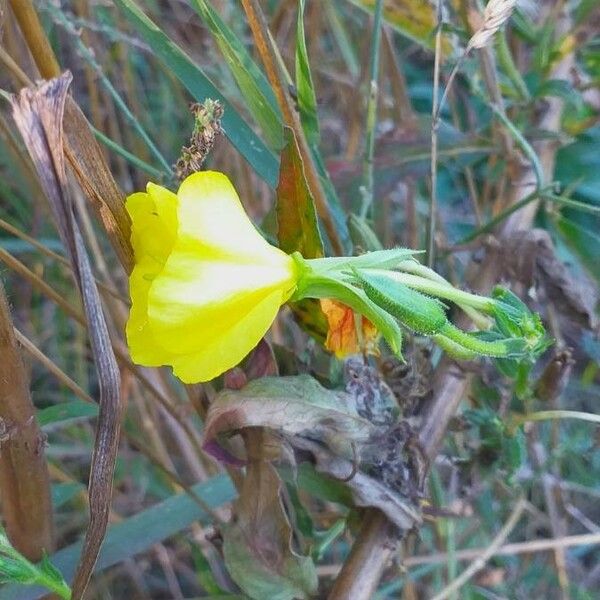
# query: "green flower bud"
421,313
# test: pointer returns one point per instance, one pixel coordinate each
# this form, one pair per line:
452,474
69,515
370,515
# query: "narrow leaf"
250,146
307,99
298,230
257,92
38,114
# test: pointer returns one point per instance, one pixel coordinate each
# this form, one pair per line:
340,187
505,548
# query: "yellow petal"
194,301
154,228
212,219
232,346
143,346
206,286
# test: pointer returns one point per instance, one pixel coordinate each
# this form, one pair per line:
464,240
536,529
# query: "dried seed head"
496,13
207,126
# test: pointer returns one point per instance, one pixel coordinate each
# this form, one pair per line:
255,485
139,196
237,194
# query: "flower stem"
545,415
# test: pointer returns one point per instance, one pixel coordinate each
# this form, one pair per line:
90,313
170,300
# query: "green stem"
545,415
507,63
524,144
367,190
132,158
498,349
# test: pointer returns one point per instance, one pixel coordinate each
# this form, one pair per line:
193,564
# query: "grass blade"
255,88
307,99
252,148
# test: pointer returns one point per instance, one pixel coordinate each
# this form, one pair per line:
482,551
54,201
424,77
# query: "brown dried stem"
24,480
450,382
36,39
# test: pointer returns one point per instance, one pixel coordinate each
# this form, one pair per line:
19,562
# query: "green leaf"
205,575
256,91
66,413
64,492
137,533
307,99
584,242
252,148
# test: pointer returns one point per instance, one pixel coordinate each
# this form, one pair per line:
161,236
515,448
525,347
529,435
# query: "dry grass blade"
95,179
38,114
24,481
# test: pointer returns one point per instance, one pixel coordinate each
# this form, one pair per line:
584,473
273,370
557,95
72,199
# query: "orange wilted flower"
343,335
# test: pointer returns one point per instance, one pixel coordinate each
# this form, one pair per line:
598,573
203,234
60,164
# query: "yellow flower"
206,285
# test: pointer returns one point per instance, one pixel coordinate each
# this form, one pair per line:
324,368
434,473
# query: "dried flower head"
207,126
496,13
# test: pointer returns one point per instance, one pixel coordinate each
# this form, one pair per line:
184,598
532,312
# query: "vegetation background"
511,499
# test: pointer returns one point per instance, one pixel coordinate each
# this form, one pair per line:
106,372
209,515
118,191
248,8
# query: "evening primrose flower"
206,286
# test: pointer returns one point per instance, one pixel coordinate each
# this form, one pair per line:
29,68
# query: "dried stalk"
81,148
35,37
450,382
480,561
362,570
24,480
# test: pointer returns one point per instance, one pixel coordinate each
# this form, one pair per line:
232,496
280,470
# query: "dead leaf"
38,113
257,546
96,181
343,331
292,406
366,491
529,258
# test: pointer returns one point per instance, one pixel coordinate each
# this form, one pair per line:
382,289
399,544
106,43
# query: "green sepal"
319,285
380,259
452,348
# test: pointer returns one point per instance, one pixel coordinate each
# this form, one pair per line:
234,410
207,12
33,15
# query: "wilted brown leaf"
529,258
257,545
95,179
292,406
366,491
38,113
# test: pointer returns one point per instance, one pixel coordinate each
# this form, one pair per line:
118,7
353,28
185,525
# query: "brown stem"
451,383
260,31
24,480
362,570
36,39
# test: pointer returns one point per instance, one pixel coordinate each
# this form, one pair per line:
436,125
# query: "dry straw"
496,13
